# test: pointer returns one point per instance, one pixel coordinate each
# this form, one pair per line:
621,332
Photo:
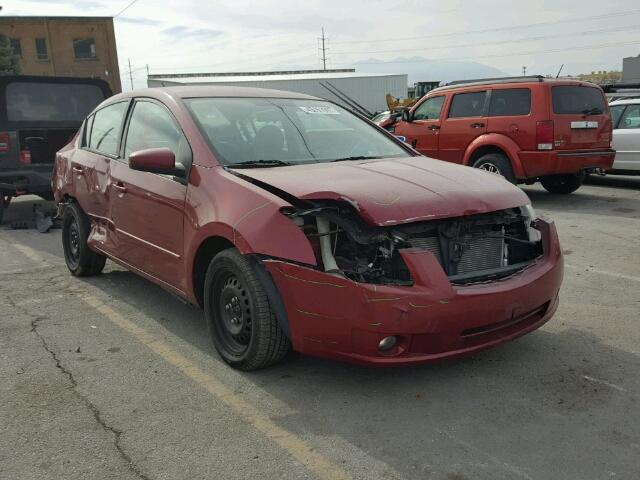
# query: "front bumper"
555,162
333,317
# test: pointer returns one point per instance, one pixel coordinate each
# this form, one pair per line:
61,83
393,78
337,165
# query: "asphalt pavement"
111,377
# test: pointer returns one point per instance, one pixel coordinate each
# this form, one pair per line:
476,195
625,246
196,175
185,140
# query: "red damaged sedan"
296,224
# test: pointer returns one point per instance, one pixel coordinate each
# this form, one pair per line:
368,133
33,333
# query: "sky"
389,36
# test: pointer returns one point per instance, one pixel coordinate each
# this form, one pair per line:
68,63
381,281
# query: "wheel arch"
495,143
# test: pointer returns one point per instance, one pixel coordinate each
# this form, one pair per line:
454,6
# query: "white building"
345,86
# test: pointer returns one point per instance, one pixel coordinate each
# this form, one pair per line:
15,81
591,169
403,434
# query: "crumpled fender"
504,143
250,218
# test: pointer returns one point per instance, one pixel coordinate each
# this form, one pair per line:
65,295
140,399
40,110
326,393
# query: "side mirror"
406,116
154,160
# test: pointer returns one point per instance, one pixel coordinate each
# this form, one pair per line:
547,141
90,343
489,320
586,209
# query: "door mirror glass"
154,160
406,116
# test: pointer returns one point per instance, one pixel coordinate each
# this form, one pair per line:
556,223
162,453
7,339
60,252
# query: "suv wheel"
496,163
562,184
243,326
80,260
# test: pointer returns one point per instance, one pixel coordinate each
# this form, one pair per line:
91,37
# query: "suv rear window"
509,102
576,100
51,102
467,105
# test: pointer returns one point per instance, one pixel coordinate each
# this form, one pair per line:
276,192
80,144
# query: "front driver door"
148,208
422,133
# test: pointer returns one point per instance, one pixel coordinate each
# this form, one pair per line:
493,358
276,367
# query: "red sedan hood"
393,191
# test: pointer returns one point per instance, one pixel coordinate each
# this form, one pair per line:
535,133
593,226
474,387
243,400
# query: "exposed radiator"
475,252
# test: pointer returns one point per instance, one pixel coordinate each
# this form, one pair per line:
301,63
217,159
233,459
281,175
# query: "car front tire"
242,324
81,261
562,184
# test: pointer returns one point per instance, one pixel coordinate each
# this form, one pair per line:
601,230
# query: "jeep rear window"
51,102
577,100
510,102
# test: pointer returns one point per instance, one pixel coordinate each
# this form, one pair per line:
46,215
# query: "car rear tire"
242,324
496,163
80,260
562,184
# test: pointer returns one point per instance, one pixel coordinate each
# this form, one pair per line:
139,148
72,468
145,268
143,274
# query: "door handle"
434,127
78,170
477,125
120,187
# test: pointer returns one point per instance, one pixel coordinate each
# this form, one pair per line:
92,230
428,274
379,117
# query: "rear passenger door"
510,115
148,208
465,120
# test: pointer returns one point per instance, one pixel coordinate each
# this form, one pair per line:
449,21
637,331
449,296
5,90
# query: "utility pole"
324,52
524,71
130,73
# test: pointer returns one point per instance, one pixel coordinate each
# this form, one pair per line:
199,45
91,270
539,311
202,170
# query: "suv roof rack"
489,81
531,78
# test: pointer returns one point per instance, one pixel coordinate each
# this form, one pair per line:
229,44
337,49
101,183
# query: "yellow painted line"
294,445
29,253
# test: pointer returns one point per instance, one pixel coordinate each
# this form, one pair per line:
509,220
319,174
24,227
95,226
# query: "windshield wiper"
591,111
259,163
361,157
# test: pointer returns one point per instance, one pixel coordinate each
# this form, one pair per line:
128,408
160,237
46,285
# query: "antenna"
524,71
561,67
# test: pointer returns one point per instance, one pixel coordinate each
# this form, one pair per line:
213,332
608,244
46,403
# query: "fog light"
387,343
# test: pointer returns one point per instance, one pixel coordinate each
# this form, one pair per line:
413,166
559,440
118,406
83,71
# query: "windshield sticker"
320,110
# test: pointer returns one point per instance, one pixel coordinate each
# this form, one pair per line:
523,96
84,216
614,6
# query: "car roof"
626,101
203,91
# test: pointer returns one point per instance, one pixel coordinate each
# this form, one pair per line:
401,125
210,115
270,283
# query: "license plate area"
584,125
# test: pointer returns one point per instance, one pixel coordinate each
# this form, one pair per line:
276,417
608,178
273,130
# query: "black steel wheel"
242,324
80,260
496,163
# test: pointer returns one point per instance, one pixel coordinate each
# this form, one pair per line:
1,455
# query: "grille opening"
476,248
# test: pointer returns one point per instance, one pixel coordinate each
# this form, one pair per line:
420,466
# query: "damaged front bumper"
334,317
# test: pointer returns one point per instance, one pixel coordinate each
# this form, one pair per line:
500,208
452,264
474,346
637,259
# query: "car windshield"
276,132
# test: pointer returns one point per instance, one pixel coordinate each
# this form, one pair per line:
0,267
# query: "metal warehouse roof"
266,77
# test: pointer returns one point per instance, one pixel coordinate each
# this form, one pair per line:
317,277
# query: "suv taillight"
5,144
544,135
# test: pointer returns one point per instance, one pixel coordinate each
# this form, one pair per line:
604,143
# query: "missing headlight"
344,244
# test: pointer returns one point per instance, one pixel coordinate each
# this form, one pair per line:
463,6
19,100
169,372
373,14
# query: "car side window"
105,131
429,109
630,117
152,126
510,102
616,112
465,105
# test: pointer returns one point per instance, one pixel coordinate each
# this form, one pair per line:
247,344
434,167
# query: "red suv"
526,129
294,222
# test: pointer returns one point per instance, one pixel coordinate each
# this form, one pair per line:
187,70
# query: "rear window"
467,105
51,102
510,102
577,100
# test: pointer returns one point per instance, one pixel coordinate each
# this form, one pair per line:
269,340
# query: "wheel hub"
74,239
235,311
491,168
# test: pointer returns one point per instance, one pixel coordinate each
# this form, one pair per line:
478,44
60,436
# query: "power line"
515,54
499,29
500,42
124,9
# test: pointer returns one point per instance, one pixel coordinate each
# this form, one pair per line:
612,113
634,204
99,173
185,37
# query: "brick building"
65,46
